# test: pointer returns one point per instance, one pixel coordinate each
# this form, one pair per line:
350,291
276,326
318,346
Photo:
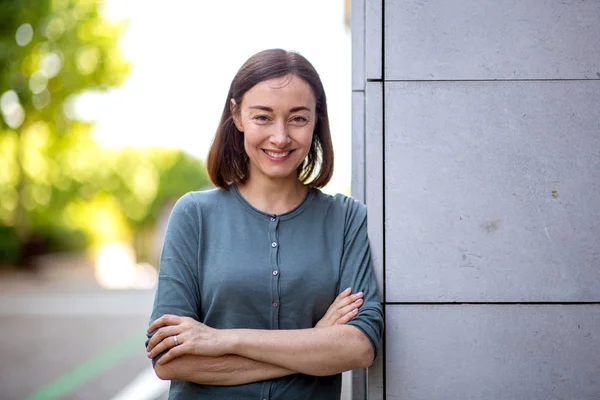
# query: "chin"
279,174
282,176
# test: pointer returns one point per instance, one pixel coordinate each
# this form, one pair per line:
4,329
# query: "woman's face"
277,118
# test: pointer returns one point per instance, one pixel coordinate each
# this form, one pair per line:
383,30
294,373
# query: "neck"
273,196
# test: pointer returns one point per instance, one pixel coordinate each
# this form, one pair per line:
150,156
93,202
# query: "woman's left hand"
183,335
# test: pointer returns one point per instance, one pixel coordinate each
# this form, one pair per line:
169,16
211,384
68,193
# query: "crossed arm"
226,370
237,356
211,356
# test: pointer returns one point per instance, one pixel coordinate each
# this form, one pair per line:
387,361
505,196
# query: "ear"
235,114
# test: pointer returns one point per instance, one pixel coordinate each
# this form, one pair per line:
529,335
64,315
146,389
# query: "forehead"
288,90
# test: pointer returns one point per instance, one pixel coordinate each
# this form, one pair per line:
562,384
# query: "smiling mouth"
277,155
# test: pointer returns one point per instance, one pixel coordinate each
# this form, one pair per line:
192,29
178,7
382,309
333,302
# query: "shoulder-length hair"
227,162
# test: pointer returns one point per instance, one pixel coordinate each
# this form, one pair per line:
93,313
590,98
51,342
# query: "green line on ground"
91,368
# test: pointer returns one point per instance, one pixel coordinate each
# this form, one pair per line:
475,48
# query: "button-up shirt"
230,265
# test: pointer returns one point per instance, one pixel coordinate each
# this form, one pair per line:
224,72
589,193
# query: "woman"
247,304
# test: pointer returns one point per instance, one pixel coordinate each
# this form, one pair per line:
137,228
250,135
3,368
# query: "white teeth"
277,155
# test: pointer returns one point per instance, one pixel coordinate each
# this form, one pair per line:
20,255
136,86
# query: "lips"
278,155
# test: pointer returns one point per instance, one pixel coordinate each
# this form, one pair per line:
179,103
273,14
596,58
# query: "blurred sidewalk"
60,271
70,334
110,266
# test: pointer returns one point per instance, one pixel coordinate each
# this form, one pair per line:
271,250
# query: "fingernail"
355,310
359,293
148,354
359,301
347,290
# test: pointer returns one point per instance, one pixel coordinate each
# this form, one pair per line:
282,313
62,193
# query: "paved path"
69,339
63,337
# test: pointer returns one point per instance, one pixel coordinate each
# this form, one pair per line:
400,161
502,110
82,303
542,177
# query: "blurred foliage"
59,190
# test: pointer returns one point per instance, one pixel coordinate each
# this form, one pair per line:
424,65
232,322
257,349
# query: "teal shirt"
229,265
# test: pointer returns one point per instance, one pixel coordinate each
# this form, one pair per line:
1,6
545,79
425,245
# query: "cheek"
313,129
310,137
247,145
309,141
251,142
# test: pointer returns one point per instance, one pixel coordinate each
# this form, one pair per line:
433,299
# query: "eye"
300,119
261,118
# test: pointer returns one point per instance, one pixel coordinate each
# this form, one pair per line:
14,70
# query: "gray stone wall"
476,147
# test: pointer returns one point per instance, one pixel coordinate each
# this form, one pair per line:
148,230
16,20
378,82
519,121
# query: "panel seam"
384,257
458,303
484,80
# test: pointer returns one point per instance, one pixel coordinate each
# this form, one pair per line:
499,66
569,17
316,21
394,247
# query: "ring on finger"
176,340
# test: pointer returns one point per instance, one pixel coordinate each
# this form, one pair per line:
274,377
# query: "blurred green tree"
58,189
50,51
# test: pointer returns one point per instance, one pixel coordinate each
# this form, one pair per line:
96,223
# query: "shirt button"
275,304
275,273
273,218
274,244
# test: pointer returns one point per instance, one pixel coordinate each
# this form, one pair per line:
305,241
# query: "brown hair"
227,161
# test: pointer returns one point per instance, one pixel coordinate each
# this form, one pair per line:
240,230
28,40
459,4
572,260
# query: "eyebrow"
269,109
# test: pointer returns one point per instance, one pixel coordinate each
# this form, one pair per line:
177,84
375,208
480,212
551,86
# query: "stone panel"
358,145
374,175
373,39
493,352
375,377
357,20
492,39
492,191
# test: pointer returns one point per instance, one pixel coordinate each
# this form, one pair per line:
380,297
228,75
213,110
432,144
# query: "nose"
280,137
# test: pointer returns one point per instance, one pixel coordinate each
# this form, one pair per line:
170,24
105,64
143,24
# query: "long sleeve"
233,267
357,273
177,292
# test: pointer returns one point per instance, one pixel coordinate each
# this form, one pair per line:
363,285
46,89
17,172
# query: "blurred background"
107,111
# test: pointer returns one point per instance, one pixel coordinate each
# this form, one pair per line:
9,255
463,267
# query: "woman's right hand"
343,309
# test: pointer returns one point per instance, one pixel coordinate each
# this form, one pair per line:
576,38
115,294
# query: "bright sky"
185,54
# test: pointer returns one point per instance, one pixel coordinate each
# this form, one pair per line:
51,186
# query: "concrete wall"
476,129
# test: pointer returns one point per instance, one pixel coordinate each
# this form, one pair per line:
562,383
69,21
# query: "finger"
343,294
349,300
355,304
334,309
357,296
173,353
348,312
157,323
163,333
160,335
166,319
334,312
165,345
347,317
161,347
